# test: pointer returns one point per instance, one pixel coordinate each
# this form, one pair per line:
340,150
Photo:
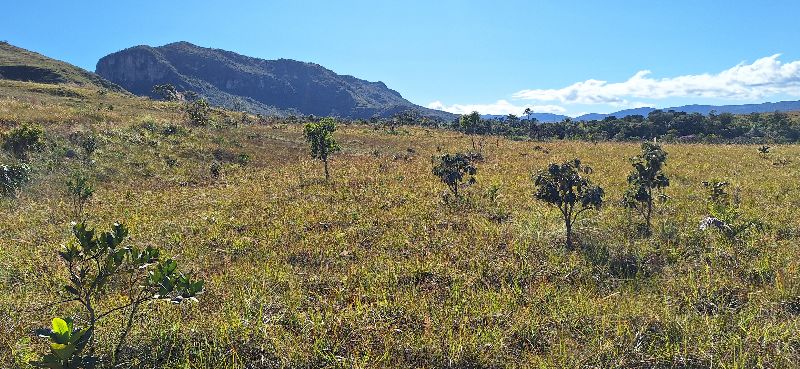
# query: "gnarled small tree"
565,187
646,178
452,168
470,123
320,136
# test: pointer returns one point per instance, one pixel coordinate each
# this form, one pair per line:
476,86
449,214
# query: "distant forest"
668,126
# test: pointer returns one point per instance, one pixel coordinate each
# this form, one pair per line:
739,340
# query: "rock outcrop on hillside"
261,86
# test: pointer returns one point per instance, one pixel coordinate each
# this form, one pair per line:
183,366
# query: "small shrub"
243,159
452,170
89,146
22,140
99,266
198,111
565,187
646,178
12,177
320,136
495,211
80,191
215,170
170,130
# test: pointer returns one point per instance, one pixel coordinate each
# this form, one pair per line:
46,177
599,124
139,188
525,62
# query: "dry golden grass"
374,270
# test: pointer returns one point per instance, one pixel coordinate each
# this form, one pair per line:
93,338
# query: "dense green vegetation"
374,269
669,126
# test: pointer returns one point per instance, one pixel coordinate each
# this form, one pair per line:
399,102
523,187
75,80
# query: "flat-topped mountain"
18,64
232,80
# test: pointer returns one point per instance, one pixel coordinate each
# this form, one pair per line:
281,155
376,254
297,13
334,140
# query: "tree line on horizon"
665,125
669,126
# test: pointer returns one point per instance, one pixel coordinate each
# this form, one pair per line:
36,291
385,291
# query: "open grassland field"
376,270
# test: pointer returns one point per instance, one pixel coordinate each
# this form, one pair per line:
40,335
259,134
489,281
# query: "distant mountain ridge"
768,107
18,64
232,80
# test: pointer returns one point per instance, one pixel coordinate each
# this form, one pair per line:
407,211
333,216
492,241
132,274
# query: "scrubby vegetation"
667,126
452,168
371,269
646,181
566,187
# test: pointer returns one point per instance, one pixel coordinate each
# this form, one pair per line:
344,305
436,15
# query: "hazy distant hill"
265,86
769,107
19,64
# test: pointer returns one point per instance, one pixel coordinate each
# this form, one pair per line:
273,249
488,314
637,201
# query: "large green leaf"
63,351
62,329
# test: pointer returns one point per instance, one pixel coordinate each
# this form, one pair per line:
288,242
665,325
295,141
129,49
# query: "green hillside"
18,64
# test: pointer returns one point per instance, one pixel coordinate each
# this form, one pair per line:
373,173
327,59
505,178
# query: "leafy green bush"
22,140
198,111
647,176
80,192
320,136
452,168
565,187
99,266
12,177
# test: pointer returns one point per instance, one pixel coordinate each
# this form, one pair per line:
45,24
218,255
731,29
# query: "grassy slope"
374,271
39,68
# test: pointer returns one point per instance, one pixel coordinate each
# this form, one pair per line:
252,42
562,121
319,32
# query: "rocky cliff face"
264,86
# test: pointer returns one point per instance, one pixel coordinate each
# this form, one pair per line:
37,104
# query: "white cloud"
501,107
764,77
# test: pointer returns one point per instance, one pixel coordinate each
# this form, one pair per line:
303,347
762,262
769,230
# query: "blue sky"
494,56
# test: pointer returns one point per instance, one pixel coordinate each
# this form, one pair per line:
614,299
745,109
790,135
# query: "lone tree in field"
531,122
470,123
320,136
564,186
452,168
646,178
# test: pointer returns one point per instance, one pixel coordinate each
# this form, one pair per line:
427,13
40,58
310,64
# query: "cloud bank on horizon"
763,78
